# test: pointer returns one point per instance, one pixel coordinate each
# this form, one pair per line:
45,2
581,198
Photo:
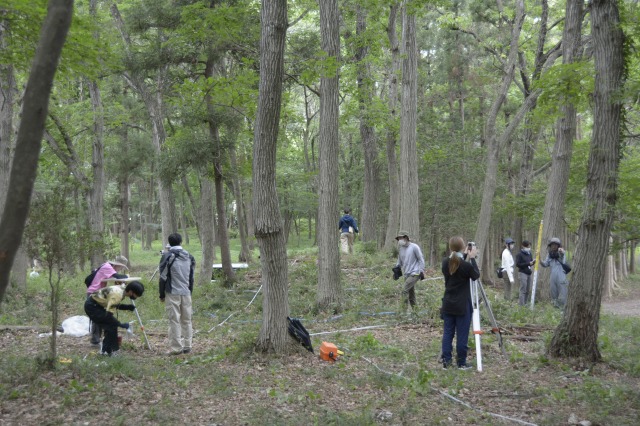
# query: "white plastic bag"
76,326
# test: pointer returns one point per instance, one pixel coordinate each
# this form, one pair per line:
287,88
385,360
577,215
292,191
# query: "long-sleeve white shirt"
507,263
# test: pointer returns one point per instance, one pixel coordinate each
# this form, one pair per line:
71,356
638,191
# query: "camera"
471,245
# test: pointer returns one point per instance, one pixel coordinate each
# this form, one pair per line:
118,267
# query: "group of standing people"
524,262
176,269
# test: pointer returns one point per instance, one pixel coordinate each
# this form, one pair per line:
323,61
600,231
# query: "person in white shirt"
507,266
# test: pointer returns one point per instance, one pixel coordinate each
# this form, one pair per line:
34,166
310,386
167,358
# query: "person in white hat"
110,269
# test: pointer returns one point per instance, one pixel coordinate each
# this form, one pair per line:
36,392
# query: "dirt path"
627,303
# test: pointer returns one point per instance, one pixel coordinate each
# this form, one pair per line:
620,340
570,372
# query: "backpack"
89,279
298,332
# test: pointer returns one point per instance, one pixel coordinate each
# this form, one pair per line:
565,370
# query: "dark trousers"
456,325
106,321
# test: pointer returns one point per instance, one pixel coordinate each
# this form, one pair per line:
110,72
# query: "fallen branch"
446,395
351,329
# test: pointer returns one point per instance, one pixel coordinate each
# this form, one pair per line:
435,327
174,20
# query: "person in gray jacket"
411,262
176,286
559,283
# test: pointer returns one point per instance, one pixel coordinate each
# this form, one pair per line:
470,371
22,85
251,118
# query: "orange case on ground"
328,351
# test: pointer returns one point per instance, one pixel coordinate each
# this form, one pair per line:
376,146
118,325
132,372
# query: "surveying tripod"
477,295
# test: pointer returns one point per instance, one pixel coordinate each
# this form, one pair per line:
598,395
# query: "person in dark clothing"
348,226
524,262
101,306
458,270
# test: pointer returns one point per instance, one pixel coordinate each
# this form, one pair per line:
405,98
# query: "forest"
250,126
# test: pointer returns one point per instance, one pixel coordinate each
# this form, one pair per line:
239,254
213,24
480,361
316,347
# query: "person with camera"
507,266
459,269
524,262
411,263
559,283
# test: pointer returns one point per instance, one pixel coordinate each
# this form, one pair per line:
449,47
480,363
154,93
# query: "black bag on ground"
298,332
566,268
500,272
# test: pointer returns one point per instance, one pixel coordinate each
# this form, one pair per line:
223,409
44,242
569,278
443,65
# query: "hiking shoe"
464,367
172,353
186,350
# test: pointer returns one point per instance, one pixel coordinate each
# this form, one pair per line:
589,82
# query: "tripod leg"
494,324
144,333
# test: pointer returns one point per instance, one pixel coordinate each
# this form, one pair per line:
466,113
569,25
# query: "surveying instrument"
478,295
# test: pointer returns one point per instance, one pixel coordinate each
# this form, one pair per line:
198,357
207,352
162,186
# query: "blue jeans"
456,325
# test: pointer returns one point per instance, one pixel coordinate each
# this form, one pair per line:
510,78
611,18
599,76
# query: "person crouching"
101,305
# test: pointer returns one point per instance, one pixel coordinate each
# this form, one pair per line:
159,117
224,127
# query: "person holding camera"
524,262
559,283
458,270
507,266
411,263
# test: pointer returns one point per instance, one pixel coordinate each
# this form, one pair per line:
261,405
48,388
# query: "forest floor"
388,375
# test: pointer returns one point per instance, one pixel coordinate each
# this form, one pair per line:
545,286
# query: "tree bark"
492,141
370,203
577,333
206,230
393,220
329,295
34,114
7,89
553,215
245,252
409,194
267,218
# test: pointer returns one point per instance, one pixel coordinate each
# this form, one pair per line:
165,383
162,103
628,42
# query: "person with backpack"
101,306
95,281
507,266
176,286
559,283
348,226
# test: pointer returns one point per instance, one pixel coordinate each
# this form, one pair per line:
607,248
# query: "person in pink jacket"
109,269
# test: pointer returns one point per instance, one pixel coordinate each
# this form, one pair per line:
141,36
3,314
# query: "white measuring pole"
477,331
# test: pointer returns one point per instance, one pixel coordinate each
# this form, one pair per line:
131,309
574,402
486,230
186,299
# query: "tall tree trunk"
553,215
492,141
409,194
329,295
35,106
245,252
96,194
369,222
125,225
152,98
7,89
207,230
393,220
214,133
577,333
267,219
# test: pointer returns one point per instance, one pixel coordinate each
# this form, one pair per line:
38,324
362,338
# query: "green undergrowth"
393,368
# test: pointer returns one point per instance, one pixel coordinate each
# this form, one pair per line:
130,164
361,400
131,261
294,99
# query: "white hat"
120,261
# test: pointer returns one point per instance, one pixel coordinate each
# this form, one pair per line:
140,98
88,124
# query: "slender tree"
34,114
329,287
409,197
267,218
577,333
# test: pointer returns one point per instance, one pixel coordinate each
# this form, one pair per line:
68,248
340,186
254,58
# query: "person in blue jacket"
348,226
